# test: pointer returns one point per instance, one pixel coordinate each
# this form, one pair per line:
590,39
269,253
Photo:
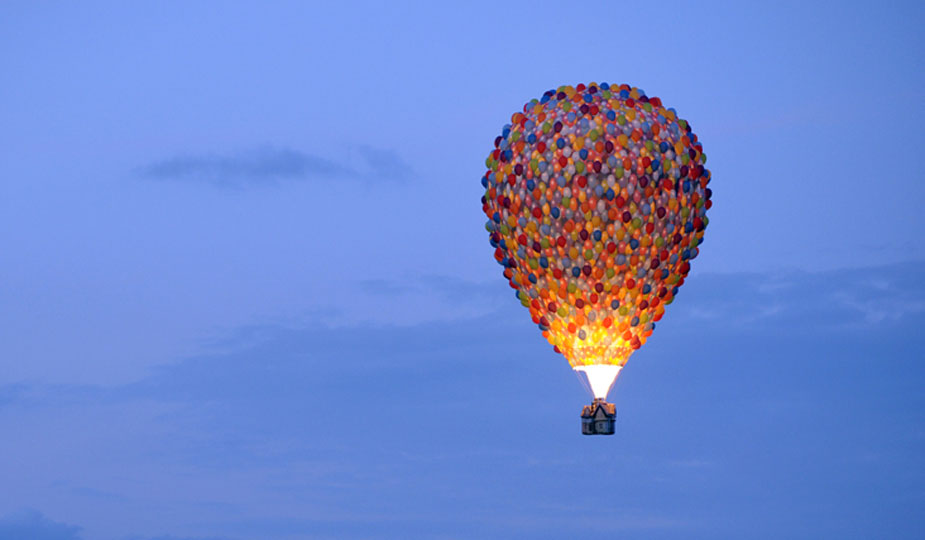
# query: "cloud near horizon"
356,432
31,524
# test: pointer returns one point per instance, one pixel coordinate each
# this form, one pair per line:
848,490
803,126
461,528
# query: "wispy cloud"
417,299
170,537
446,287
691,463
841,299
879,298
269,166
266,165
11,393
385,164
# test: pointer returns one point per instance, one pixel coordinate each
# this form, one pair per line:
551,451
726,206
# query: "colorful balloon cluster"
596,198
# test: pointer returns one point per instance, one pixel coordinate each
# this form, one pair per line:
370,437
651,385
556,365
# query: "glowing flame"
600,378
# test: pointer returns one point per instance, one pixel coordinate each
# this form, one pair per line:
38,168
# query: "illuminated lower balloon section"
593,342
596,198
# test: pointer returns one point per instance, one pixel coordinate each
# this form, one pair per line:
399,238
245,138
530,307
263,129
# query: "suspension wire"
583,379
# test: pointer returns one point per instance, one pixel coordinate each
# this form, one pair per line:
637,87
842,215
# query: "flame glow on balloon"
596,198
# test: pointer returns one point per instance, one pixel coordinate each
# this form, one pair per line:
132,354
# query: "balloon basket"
598,418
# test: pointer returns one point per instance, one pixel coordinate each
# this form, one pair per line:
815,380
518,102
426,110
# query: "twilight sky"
246,292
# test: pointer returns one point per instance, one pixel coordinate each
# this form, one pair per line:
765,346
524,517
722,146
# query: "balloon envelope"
596,198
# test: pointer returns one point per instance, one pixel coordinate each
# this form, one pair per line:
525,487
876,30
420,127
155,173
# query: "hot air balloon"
596,197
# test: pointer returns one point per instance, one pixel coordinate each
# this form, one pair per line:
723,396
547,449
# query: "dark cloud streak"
269,166
385,164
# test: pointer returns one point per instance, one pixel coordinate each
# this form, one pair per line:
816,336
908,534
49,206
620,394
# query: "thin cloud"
11,393
169,537
385,164
254,167
269,166
834,299
387,287
691,463
447,287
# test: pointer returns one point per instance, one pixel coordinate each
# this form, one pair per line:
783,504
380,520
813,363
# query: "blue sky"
245,290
